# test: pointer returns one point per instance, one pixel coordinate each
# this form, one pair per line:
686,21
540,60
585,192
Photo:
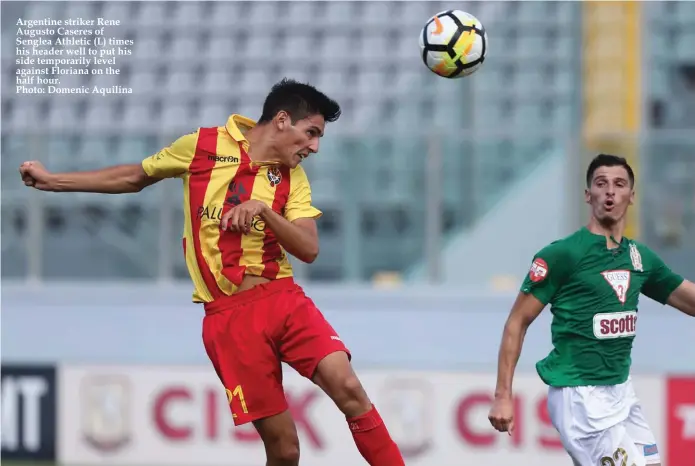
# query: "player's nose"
314,146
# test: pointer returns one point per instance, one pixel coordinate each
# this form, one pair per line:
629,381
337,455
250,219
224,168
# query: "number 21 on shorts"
237,392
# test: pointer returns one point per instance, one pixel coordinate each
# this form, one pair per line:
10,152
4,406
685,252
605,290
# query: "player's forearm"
113,180
296,240
510,350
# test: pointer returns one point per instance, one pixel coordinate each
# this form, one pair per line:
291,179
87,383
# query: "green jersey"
594,293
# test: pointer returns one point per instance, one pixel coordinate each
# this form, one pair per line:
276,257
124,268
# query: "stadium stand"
193,63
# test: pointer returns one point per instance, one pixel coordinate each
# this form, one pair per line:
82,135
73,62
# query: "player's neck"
614,230
261,146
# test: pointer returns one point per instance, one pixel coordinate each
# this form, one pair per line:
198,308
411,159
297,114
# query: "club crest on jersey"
619,281
539,270
274,176
636,258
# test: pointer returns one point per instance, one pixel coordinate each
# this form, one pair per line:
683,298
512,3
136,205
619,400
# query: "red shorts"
248,334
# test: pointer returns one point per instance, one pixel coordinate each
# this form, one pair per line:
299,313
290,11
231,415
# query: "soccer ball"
453,44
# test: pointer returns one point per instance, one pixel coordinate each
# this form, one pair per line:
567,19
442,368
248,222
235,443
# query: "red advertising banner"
680,421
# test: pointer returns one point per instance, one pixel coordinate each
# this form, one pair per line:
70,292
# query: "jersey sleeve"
174,160
661,281
550,269
299,200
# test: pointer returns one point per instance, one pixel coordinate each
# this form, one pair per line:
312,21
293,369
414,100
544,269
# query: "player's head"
298,114
610,188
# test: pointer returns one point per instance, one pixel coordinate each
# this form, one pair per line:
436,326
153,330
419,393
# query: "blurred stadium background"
435,195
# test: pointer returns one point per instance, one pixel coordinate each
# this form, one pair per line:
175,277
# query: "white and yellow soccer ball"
453,44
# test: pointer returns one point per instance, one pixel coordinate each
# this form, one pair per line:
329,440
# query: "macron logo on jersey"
619,281
615,325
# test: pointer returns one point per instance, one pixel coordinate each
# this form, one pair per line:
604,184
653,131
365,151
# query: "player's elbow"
310,254
135,180
517,324
131,186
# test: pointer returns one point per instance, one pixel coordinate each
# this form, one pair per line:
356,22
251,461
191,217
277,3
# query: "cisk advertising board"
179,416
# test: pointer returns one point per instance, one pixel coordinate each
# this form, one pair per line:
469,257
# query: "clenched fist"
239,218
35,175
502,414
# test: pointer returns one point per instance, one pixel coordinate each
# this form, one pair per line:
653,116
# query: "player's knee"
335,377
284,451
350,396
282,448
280,439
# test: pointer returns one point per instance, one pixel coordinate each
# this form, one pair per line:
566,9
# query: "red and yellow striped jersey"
217,174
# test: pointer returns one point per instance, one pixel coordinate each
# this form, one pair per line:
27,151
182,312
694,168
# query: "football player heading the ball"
593,280
236,177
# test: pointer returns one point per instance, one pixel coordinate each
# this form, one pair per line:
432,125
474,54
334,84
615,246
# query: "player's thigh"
246,362
641,434
308,337
610,447
562,417
586,445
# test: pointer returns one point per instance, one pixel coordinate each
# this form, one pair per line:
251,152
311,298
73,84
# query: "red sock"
373,440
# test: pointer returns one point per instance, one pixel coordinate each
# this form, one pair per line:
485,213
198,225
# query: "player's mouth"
609,205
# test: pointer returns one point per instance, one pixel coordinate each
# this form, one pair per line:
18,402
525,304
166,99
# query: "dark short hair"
606,160
299,101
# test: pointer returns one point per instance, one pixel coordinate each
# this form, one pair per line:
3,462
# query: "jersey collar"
233,126
625,240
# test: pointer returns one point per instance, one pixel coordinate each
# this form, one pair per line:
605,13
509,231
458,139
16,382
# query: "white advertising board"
179,416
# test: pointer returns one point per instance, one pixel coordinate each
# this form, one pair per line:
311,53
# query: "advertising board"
28,412
178,416
680,424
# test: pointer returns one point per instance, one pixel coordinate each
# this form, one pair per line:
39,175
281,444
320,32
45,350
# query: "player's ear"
282,120
632,197
587,196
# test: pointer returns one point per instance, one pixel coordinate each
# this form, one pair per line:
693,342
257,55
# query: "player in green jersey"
593,280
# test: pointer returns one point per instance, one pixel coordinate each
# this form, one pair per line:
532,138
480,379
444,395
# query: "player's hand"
240,218
35,175
502,414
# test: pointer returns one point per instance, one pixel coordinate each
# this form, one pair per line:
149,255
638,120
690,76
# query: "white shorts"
602,425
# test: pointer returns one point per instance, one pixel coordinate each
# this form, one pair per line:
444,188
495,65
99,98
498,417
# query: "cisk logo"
619,281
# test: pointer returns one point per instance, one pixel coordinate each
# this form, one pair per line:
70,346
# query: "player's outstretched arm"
172,161
119,179
525,310
683,298
666,287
